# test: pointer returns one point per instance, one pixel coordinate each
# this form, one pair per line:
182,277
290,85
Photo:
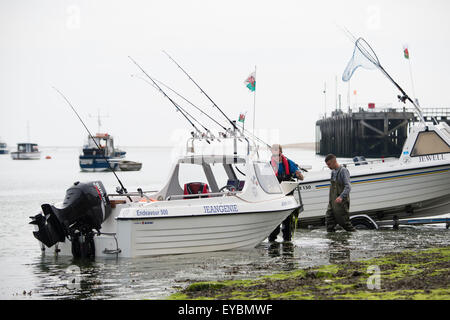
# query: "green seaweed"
418,275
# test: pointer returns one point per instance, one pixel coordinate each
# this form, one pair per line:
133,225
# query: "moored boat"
3,147
220,207
93,158
26,151
127,165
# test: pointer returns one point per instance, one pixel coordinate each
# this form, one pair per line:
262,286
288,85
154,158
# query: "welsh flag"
242,117
250,82
406,52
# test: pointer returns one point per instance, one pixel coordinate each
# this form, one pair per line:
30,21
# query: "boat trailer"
363,221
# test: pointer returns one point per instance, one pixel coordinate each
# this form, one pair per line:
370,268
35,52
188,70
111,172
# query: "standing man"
285,170
339,199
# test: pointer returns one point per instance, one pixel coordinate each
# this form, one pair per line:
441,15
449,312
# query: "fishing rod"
233,123
370,55
183,109
162,91
198,108
123,189
374,59
255,137
190,78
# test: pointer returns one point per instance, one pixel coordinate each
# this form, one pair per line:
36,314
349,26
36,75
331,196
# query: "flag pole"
412,79
408,57
254,104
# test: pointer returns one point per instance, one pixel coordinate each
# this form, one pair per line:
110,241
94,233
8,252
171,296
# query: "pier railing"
427,112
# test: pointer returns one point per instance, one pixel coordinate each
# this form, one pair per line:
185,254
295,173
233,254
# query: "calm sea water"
27,274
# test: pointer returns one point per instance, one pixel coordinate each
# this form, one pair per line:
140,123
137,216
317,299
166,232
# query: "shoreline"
301,145
409,274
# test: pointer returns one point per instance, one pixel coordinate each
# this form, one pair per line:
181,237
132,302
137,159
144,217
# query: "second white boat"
415,185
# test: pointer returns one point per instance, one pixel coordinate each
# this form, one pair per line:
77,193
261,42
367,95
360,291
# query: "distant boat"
93,159
26,151
3,148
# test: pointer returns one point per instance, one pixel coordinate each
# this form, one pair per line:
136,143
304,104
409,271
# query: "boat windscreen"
429,142
266,178
446,132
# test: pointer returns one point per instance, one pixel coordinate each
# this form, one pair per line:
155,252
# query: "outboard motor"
85,207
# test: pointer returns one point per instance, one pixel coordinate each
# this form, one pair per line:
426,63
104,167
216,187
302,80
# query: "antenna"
99,122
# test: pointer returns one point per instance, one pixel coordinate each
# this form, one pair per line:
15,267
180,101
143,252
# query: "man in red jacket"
285,170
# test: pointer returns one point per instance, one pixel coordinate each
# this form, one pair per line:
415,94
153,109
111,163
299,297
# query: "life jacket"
195,188
285,163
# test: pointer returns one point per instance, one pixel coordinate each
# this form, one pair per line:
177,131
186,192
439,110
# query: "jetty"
370,132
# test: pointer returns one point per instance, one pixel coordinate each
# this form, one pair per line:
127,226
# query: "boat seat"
238,184
196,188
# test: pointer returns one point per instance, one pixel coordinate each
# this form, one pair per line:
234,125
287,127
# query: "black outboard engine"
85,207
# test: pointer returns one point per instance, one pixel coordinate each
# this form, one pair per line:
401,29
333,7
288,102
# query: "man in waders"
285,170
339,199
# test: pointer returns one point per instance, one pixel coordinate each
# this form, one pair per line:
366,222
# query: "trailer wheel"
363,223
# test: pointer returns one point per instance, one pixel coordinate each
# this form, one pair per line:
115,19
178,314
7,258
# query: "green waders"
338,213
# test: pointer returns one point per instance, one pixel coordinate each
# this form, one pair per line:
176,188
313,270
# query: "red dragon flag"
406,52
242,117
250,82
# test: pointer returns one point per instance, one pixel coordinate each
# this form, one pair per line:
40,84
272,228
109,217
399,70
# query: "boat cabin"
103,140
427,143
27,147
218,175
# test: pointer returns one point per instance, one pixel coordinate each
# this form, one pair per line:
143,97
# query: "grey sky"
81,47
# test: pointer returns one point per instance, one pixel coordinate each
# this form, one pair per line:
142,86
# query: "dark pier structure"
370,133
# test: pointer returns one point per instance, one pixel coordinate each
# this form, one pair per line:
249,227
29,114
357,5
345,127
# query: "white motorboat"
210,203
26,151
415,185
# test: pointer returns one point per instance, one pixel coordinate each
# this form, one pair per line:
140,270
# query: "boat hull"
182,235
97,164
25,155
198,234
415,192
130,166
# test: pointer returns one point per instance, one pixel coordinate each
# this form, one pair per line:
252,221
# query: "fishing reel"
211,136
121,190
402,98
